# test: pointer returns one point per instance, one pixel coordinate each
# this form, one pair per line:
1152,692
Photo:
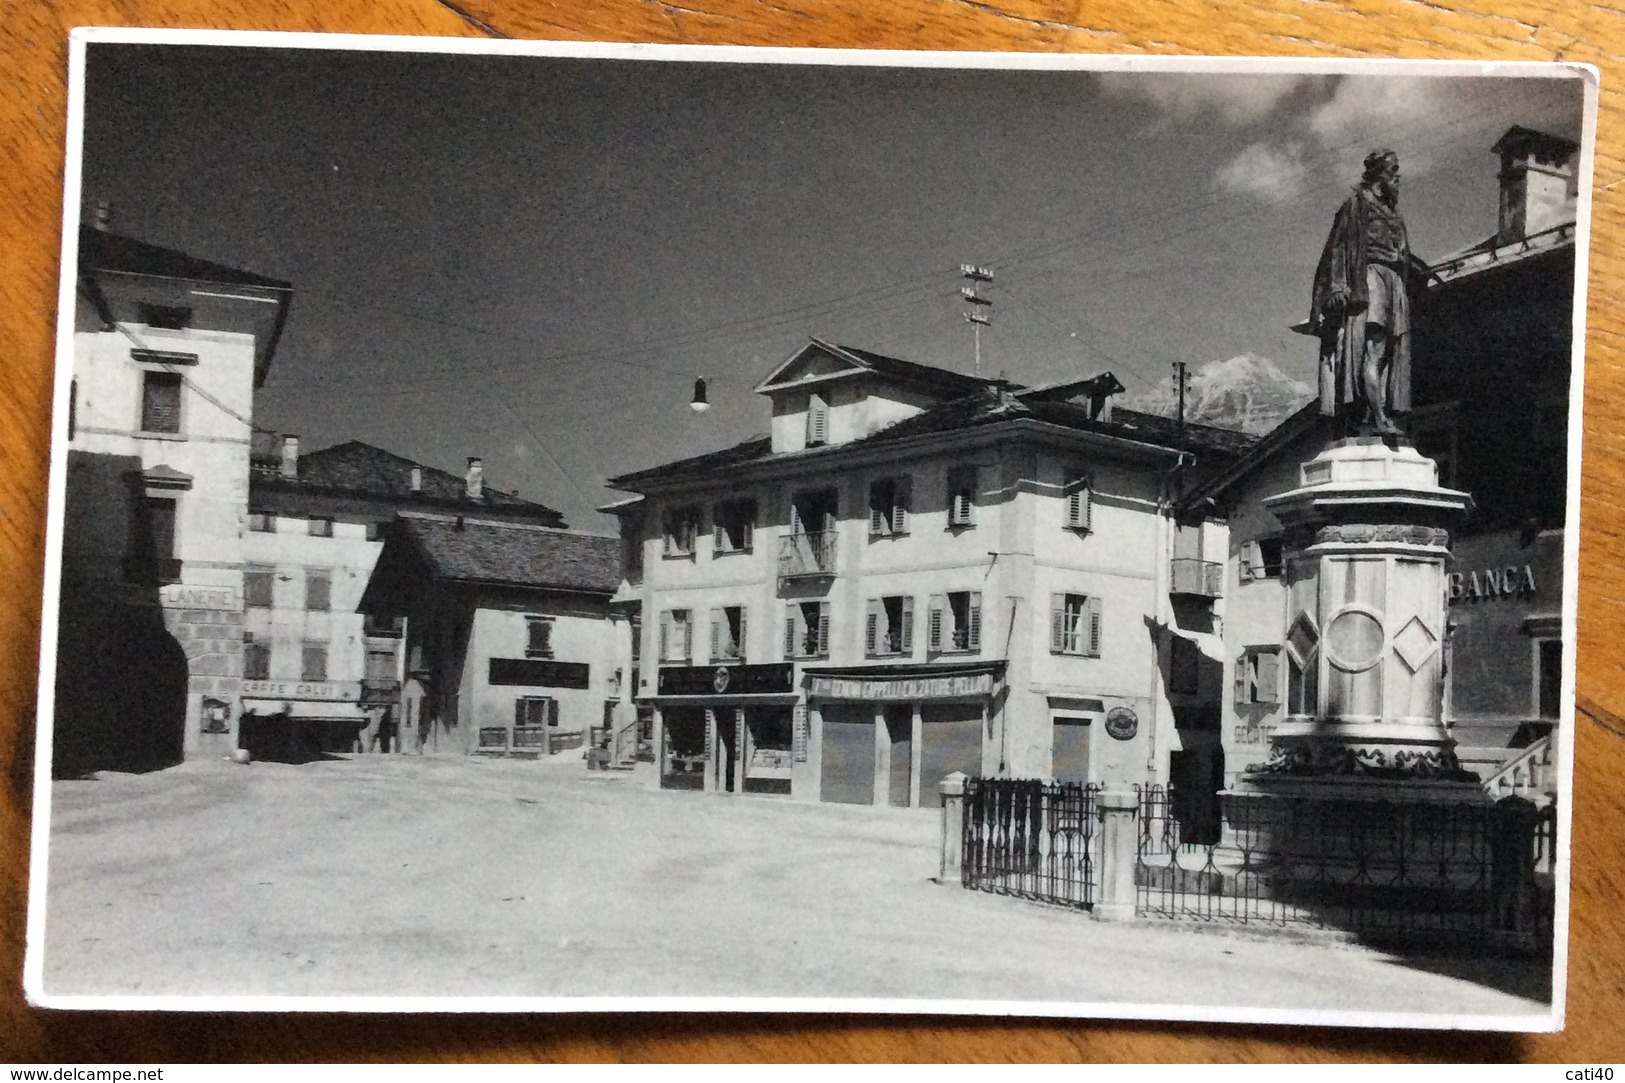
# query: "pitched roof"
103,251
930,377
355,468
1263,451
514,554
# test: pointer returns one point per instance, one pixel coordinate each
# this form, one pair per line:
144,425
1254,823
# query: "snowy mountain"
1247,392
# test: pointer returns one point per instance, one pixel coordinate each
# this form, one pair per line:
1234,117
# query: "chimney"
290,455
1539,184
417,479
476,479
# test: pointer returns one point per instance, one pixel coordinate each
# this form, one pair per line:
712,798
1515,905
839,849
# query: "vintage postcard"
585,527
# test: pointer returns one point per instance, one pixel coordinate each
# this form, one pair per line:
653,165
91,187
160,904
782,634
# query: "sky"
531,259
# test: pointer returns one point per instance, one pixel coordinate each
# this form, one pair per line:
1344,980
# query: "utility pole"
1181,378
981,313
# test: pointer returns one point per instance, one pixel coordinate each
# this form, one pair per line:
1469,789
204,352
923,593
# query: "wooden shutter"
1241,696
973,638
823,629
1269,677
1094,628
792,614
1057,623
1079,502
933,625
739,646
665,635
879,507
817,420
718,541
747,531
716,634
871,628
908,625
688,635
520,713
899,509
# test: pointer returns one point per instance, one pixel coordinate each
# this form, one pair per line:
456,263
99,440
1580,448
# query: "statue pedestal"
1367,546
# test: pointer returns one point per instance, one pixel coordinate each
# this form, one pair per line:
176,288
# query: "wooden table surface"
32,121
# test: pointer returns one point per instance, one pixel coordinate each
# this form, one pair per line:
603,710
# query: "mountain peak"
1247,392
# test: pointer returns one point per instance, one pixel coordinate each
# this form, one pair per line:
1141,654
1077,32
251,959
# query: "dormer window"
165,317
817,420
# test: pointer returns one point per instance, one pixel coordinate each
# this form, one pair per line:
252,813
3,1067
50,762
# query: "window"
1080,500
319,528
1549,678
681,526
637,640
817,420
161,402
380,664
374,624
1263,559
375,531
313,662
256,661
676,635
962,496
1184,667
318,592
161,521
538,637
806,630
258,584
261,523
955,622
534,712
734,526
165,317
888,507
728,634
889,629
1075,625
1258,676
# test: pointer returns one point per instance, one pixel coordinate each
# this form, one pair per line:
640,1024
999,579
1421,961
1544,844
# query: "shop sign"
186,596
756,680
333,691
538,673
1481,584
955,686
1122,723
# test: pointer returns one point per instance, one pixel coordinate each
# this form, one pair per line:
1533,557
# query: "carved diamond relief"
1415,644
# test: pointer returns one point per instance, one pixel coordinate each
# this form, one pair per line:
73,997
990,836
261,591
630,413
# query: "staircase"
1530,774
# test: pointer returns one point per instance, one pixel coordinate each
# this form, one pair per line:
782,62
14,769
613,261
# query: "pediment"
815,362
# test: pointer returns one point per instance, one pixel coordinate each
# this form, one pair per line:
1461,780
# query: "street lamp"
699,405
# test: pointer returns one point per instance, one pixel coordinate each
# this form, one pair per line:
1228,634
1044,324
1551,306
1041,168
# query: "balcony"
1191,577
803,555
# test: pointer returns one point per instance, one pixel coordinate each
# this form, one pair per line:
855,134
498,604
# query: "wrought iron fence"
1031,839
1406,872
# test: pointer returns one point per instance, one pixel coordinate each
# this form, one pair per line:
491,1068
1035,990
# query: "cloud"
1275,174
1234,99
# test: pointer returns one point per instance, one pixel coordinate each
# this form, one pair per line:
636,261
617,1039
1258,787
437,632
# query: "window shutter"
717,540
519,712
748,528
716,634
1269,677
908,625
791,612
823,629
933,626
1079,501
665,635
739,647
1241,696
666,539
817,420
878,509
900,502
871,627
973,637
1094,628
551,706
1057,623
688,636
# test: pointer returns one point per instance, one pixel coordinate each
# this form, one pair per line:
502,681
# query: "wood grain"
32,118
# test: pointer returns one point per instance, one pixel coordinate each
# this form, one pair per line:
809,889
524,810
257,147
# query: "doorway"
1069,749
727,751
900,732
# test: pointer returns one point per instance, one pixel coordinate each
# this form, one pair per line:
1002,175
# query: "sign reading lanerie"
186,596
539,673
954,686
335,691
759,680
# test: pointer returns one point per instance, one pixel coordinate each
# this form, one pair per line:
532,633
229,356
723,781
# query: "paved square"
397,876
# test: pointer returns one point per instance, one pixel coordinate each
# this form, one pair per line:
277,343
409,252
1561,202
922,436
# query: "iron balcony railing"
1195,578
807,554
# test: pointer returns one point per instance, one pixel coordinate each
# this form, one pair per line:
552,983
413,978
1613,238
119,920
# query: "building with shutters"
1491,368
919,572
509,649
168,350
318,676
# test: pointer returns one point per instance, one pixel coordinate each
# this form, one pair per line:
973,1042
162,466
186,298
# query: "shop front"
728,729
296,721
889,735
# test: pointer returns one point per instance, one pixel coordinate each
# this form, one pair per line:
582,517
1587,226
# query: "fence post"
1119,850
952,789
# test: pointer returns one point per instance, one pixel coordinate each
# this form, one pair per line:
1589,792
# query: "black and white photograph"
545,527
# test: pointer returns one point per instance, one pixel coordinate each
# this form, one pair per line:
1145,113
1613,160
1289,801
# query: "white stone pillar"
1119,850
952,789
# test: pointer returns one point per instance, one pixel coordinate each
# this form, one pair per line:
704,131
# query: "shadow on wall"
121,677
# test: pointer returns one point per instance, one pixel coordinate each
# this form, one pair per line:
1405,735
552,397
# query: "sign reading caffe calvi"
948,686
